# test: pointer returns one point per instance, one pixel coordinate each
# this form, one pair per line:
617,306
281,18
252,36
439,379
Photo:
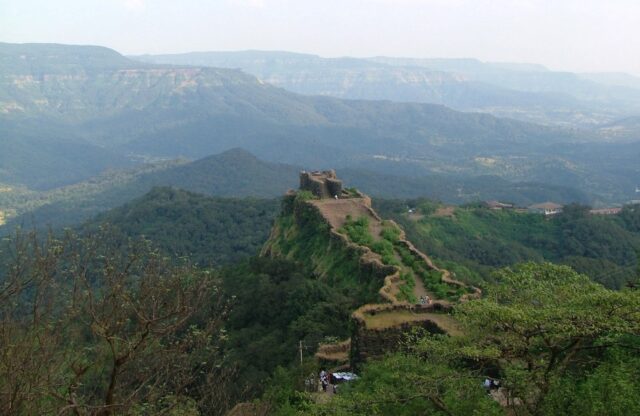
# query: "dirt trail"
336,211
419,290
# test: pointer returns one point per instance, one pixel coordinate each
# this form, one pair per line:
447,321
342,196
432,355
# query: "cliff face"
71,83
108,91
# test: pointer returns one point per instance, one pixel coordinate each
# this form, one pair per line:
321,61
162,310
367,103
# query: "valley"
94,114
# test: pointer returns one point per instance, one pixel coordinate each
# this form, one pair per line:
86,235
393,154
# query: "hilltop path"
337,210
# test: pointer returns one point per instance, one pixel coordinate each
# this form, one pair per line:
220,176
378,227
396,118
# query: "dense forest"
208,231
560,343
94,324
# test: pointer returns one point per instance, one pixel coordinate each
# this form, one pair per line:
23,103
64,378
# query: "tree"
542,323
88,326
407,384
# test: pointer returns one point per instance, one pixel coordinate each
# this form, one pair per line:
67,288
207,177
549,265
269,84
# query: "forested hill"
235,173
205,230
234,334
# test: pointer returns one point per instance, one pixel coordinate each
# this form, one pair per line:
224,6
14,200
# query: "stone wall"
365,342
368,343
323,184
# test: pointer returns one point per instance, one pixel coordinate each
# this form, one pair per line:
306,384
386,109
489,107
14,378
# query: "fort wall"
323,184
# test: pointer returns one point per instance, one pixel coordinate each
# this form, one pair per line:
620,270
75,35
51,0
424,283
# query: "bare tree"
92,326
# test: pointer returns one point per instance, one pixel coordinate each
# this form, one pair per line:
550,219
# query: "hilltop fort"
322,184
345,242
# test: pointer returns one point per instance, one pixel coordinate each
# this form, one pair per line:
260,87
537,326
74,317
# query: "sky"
571,35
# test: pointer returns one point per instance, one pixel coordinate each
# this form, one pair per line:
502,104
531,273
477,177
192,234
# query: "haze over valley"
91,109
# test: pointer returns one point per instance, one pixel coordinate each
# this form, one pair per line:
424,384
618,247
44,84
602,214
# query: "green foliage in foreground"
558,343
91,326
275,306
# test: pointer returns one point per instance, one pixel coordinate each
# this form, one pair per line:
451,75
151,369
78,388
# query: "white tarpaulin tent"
343,376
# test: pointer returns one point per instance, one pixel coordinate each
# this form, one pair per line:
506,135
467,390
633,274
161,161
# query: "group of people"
325,381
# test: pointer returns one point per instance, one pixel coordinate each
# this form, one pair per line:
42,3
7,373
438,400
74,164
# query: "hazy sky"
578,35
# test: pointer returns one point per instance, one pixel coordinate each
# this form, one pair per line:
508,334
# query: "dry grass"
338,352
444,212
393,318
338,356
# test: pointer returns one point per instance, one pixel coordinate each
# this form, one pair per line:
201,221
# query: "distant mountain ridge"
525,91
125,112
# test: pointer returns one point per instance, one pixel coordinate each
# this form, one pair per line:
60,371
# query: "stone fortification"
323,184
310,230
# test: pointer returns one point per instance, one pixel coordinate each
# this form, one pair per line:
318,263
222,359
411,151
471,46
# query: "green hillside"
236,333
477,240
49,157
234,173
208,231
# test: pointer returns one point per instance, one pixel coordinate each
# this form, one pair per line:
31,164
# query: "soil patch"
444,212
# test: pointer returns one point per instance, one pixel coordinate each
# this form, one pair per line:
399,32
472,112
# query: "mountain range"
102,111
524,91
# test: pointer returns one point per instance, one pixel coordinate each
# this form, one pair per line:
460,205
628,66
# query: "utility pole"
300,349
301,368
